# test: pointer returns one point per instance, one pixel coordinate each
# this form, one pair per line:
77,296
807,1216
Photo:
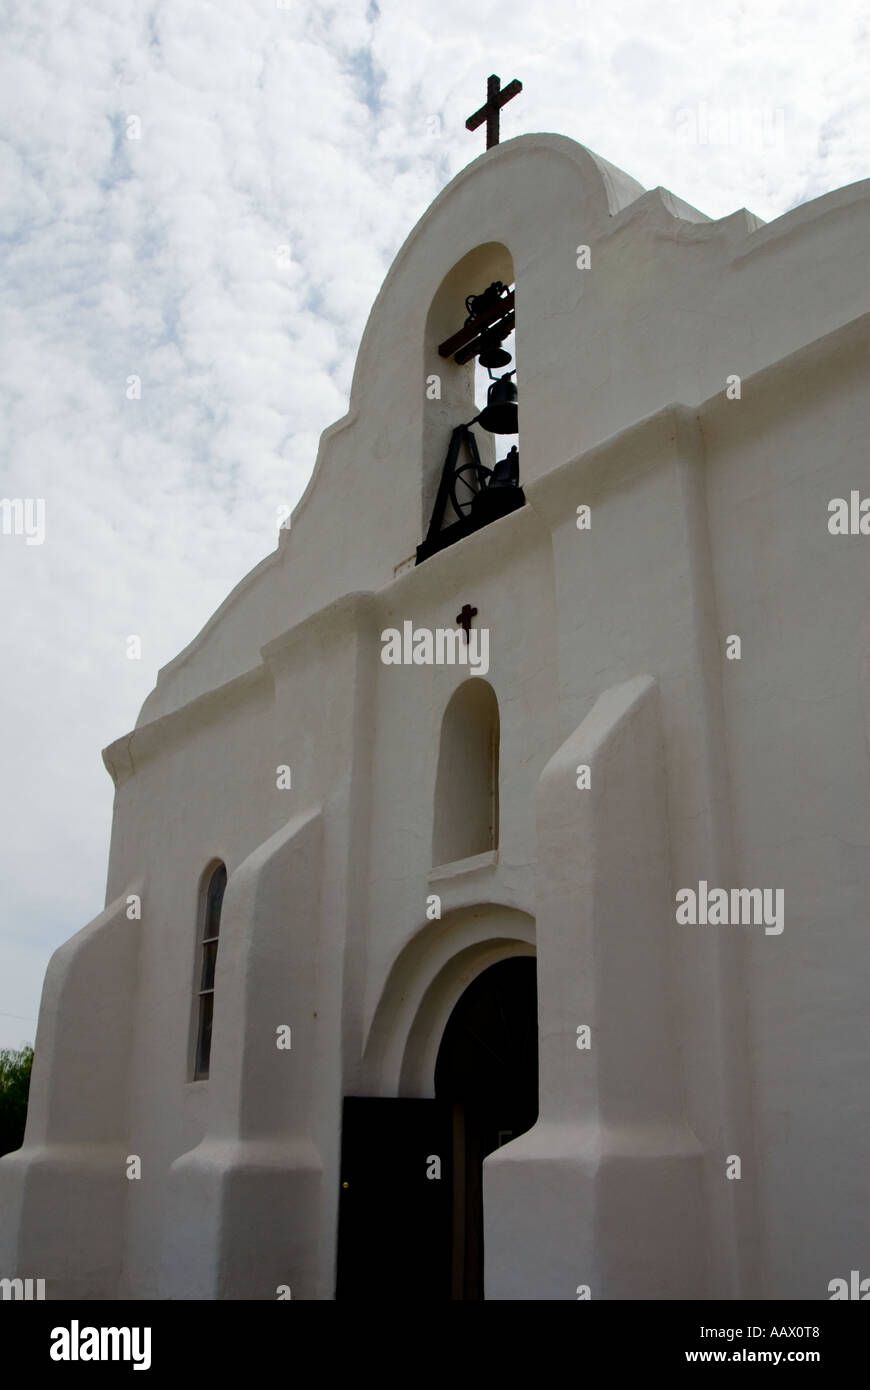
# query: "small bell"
507,471
500,415
492,354
502,493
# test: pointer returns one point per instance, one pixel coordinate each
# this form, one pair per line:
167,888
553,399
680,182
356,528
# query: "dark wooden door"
395,1204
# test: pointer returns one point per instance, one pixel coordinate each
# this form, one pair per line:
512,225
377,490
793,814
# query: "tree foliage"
14,1089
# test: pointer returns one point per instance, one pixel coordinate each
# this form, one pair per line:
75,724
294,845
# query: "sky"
200,201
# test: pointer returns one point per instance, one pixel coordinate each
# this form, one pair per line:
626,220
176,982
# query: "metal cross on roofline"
489,112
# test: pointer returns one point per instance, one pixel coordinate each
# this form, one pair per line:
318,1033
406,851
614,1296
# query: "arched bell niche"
450,386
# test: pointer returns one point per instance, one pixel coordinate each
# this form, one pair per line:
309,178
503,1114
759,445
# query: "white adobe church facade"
404,842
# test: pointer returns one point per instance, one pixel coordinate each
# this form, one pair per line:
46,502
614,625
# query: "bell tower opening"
470,451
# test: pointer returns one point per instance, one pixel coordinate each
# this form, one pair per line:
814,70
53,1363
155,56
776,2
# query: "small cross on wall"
464,619
489,112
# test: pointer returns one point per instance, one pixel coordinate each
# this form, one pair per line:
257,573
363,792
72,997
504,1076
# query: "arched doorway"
402,1225
487,1073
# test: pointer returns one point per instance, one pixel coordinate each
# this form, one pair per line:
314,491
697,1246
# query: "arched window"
211,901
466,787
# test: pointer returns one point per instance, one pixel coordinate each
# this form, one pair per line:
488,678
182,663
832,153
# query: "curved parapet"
360,515
627,301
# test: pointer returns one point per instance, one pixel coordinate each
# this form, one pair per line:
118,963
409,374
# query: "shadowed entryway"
410,1200
487,1072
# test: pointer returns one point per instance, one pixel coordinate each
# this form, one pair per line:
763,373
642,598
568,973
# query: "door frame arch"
423,986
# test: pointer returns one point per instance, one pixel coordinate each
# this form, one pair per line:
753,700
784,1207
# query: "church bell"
502,493
507,471
491,353
500,415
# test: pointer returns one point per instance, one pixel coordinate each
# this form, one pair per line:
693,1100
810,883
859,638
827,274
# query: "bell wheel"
464,488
